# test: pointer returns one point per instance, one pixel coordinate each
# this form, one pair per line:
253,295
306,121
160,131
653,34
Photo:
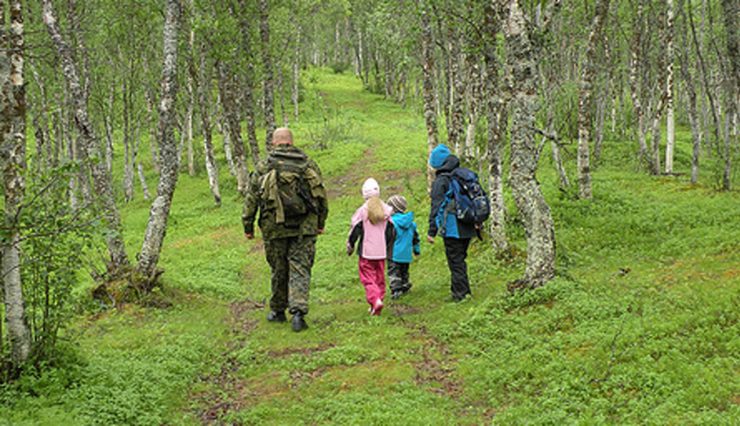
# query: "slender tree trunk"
204,99
135,164
13,157
90,145
732,14
129,151
223,128
296,75
430,113
497,120
281,91
670,120
690,90
110,113
142,180
231,115
538,223
599,130
151,118
635,60
157,226
191,102
268,82
248,101
713,105
584,100
457,89
474,95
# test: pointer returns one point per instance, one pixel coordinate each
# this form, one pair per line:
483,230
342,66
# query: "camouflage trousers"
291,260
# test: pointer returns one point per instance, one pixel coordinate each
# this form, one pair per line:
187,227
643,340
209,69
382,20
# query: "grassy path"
640,326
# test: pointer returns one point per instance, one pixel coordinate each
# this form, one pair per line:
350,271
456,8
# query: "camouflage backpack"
291,187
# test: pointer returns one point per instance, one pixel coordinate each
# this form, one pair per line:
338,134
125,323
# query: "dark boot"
298,322
276,316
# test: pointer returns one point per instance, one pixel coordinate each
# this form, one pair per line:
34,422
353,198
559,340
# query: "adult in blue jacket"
443,222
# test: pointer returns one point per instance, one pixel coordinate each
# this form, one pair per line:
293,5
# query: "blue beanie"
438,156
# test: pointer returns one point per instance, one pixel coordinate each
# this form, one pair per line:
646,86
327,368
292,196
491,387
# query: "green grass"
640,326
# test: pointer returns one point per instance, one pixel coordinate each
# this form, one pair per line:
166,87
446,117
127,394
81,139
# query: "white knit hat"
370,189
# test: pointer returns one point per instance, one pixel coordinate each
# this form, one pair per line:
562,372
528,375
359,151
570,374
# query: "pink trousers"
372,276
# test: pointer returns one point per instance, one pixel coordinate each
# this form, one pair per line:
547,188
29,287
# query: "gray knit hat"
398,202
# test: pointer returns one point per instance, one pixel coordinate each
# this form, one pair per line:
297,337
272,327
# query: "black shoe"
276,316
397,294
457,299
298,322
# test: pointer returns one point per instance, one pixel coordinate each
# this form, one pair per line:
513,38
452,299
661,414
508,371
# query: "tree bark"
497,120
151,118
522,63
129,151
457,89
13,156
294,95
233,127
191,100
635,67
156,228
204,101
732,14
90,145
268,82
584,100
430,113
248,101
670,119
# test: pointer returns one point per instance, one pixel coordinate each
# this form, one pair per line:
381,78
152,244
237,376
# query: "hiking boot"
397,294
298,322
465,297
377,307
276,316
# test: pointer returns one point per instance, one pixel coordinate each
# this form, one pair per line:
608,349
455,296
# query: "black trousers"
398,274
457,251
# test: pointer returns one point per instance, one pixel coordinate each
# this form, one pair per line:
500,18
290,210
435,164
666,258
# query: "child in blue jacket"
406,243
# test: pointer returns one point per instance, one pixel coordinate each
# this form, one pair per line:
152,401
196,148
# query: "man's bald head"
282,136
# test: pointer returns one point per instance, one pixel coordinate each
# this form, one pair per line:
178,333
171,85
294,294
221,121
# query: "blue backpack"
472,204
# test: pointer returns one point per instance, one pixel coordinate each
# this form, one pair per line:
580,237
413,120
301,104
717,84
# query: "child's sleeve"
416,242
354,235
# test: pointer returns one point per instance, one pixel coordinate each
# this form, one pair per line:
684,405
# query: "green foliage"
340,67
640,326
56,243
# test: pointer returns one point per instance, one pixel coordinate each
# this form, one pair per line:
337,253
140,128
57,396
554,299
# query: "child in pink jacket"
372,227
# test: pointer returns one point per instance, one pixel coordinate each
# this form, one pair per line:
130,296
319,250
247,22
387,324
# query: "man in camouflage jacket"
289,247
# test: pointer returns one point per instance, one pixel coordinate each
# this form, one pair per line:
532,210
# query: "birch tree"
430,112
156,228
204,105
670,115
584,100
268,82
497,119
522,60
13,157
89,144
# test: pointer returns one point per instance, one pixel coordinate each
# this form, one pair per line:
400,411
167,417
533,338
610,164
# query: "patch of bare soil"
435,371
223,385
351,181
403,310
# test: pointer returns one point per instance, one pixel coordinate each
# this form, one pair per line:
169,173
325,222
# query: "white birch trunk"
670,119
13,156
156,228
90,145
540,231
